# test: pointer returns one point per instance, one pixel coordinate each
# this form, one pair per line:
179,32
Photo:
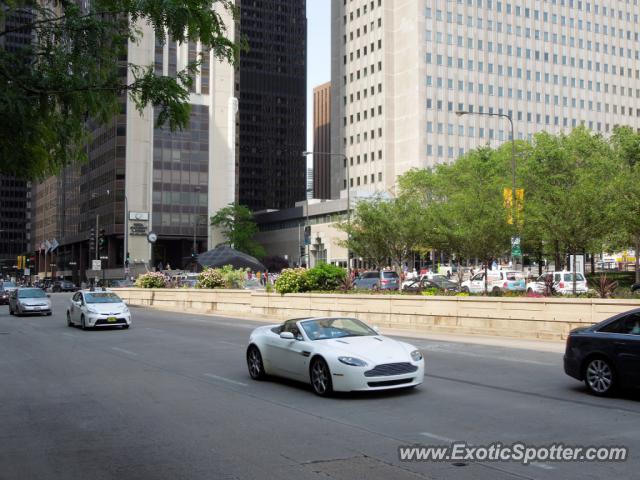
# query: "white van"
497,281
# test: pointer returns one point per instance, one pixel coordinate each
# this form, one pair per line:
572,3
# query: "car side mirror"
287,336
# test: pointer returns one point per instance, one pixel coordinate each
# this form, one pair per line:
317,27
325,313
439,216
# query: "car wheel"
321,377
124,327
465,289
599,377
10,310
254,363
83,323
529,290
49,314
496,291
69,322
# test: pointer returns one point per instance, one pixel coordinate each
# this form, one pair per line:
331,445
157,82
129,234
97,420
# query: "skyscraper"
271,89
322,140
401,70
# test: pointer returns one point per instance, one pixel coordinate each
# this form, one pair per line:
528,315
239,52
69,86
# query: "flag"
47,245
54,244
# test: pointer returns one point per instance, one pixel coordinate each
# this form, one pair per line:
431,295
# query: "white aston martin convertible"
333,354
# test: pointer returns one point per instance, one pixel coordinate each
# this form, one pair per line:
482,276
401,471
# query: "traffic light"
127,260
92,239
102,239
19,262
302,250
307,235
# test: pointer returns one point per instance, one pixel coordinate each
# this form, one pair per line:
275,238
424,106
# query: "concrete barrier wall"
541,318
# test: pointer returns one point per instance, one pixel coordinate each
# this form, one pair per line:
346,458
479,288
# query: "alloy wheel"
320,377
599,376
254,363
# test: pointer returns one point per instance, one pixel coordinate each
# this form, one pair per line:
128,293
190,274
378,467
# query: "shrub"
292,280
325,276
603,286
430,292
151,280
232,278
210,278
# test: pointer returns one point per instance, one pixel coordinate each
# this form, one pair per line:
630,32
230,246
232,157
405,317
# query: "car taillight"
505,285
384,282
561,284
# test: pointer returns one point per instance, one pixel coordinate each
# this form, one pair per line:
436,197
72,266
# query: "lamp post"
196,190
346,161
460,113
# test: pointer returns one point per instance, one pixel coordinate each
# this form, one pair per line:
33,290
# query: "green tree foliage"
625,210
238,227
381,229
75,69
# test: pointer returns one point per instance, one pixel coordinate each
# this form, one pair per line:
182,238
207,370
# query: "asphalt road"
171,398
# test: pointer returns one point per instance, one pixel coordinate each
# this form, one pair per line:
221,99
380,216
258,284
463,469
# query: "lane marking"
231,343
69,335
543,466
223,379
124,351
437,437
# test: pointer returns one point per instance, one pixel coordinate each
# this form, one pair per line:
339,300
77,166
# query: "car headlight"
353,361
416,355
125,309
91,310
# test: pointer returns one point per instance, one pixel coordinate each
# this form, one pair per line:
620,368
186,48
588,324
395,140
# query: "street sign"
516,251
27,272
96,264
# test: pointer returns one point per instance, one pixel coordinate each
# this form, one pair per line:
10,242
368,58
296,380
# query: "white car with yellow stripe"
97,308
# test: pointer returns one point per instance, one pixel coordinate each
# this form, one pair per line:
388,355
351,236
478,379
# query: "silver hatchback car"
29,301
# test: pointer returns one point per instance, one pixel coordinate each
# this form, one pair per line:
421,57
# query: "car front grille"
389,383
388,369
104,321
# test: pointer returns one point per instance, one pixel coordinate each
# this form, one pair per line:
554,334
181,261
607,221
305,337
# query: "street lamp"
460,113
346,161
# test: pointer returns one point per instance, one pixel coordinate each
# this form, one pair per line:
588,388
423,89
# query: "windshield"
102,297
31,293
568,277
325,328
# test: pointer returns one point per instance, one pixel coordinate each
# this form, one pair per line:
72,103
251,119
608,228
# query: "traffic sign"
96,265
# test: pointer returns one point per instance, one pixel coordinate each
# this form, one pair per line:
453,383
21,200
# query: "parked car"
562,283
63,286
438,283
497,281
635,288
338,354
606,355
427,276
125,282
29,300
97,308
4,296
382,280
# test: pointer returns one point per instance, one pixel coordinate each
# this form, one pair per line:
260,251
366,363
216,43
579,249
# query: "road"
171,398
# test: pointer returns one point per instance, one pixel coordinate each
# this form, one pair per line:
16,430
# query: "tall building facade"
401,70
322,140
141,179
271,89
15,193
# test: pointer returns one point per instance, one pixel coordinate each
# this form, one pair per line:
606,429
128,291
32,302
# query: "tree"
626,208
383,229
567,191
239,229
74,73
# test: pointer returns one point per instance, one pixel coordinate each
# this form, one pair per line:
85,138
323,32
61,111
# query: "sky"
318,55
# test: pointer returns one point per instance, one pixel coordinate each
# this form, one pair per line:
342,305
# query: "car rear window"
370,275
389,275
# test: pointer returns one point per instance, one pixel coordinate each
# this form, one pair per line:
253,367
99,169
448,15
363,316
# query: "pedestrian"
168,266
